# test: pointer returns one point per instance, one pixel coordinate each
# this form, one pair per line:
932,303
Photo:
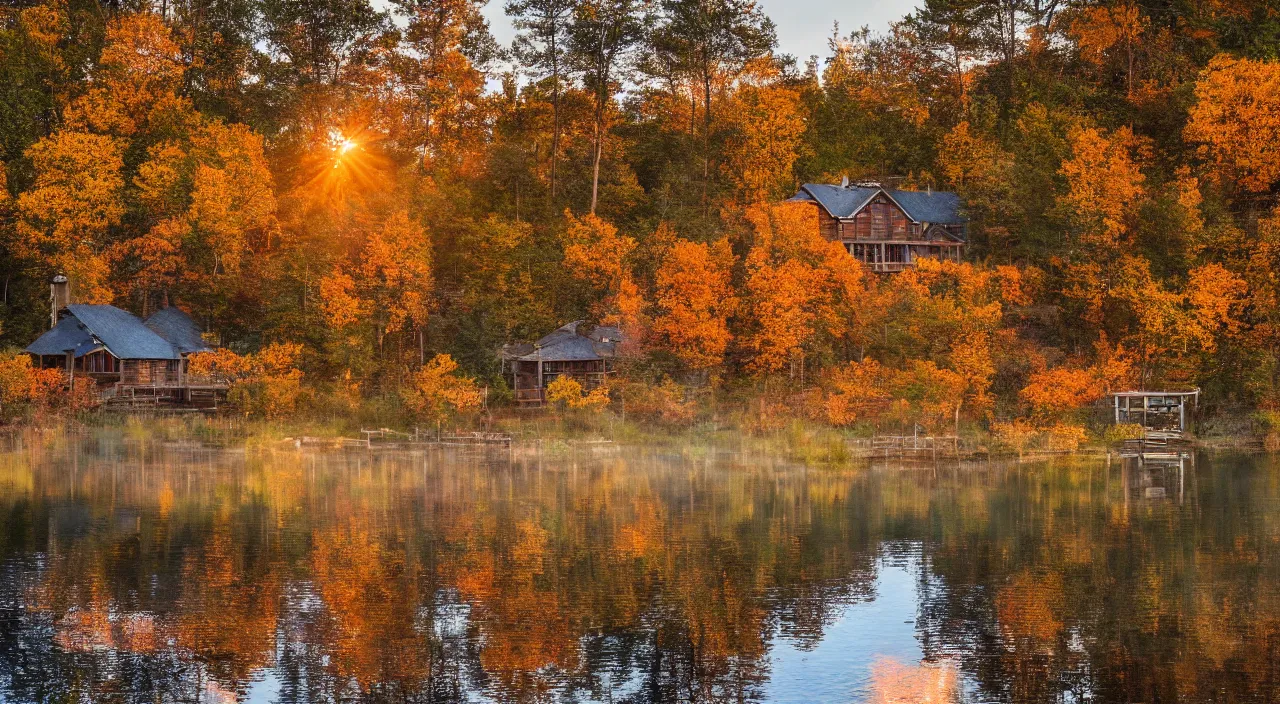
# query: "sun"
346,157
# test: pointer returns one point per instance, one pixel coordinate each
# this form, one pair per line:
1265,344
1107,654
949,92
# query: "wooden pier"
917,446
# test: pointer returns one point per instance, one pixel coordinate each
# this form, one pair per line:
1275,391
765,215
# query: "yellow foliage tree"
766,125
66,216
266,384
396,273
437,390
1015,434
1104,184
930,395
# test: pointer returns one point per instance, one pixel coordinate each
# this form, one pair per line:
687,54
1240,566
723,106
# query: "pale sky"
803,26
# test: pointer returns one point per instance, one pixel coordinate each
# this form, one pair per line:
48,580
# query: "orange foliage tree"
855,391
596,253
766,126
1236,119
1104,30
694,299
267,383
802,294
24,387
65,218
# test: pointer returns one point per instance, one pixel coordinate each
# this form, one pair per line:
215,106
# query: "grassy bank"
793,440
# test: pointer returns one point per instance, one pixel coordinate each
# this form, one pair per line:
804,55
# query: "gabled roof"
839,201
939,207
175,326
84,328
567,344
67,336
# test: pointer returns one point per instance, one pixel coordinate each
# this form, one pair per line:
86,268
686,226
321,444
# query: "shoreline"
797,441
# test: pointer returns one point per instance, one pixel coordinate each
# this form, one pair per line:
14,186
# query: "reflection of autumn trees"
228,602
420,577
685,571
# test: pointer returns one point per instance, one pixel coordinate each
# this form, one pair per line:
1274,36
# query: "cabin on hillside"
888,229
125,360
579,350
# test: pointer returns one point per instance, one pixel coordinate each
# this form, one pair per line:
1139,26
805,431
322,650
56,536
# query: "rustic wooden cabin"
888,229
124,358
578,350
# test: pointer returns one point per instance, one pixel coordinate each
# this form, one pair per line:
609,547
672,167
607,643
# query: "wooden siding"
149,372
881,219
828,226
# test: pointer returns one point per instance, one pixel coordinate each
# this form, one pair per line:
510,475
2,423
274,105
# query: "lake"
133,570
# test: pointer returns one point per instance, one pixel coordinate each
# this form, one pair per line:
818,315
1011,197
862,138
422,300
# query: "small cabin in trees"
120,356
579,350
888,229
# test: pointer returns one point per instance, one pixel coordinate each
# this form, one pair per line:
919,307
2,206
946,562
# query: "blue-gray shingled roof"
174,325
67,336
566,344
121,332
938,207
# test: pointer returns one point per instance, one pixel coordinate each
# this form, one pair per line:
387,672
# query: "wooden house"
578,350
123,357
888,229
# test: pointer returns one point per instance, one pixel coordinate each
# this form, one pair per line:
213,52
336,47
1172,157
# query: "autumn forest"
363,202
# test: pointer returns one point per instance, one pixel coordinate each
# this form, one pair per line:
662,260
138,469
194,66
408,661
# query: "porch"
895,256
530,379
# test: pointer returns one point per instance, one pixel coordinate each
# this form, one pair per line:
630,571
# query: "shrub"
566,392
437,391
24,388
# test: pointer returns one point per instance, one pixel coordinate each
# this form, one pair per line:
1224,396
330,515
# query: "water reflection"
132,570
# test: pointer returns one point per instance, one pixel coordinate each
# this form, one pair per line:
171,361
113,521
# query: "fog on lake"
134,570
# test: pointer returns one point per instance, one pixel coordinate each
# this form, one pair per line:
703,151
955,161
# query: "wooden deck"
126,397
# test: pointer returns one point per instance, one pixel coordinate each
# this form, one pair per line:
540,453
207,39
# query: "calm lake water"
139,571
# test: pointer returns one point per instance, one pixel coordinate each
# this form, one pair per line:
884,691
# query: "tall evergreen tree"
601,39
541,46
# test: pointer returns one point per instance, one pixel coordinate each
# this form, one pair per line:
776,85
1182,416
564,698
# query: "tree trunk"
555,115
706,138
595,167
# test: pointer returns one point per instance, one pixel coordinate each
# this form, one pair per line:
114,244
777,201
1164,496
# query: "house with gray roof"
888,229
578,350
118,353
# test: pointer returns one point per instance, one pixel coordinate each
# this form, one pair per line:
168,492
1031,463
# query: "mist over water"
133,570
